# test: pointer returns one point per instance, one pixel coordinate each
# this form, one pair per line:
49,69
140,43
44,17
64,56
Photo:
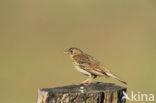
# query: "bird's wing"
92,66
98,66
89,69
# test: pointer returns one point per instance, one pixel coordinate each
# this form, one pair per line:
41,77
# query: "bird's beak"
66,52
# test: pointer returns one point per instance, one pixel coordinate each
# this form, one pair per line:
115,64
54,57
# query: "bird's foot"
83,83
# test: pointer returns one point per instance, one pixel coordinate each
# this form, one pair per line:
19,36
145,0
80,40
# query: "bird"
89,66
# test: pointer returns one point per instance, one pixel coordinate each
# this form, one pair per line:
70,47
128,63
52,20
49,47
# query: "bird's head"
73,51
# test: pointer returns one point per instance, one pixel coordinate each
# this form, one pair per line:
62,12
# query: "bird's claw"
83,83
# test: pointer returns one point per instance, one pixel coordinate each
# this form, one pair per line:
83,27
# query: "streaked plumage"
89,66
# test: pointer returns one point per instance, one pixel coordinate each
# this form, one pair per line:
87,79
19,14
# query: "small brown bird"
89,66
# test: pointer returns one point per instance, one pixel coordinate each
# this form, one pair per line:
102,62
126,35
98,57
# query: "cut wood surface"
96,92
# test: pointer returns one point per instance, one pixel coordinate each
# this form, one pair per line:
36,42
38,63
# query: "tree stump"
96,92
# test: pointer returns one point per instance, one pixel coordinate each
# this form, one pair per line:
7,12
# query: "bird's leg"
87,81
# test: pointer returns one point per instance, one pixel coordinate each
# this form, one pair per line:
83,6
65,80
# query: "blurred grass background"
34,34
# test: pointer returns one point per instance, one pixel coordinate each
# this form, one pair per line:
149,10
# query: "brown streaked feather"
93,71
90,64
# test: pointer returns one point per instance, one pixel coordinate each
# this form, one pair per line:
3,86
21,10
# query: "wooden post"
96,92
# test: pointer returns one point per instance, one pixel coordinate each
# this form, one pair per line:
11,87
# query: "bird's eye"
71,51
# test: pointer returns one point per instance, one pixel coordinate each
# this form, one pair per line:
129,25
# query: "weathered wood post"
96,92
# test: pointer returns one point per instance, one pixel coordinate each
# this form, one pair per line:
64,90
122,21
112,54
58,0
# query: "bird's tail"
116,77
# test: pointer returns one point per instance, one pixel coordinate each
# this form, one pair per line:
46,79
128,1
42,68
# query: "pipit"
89,66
